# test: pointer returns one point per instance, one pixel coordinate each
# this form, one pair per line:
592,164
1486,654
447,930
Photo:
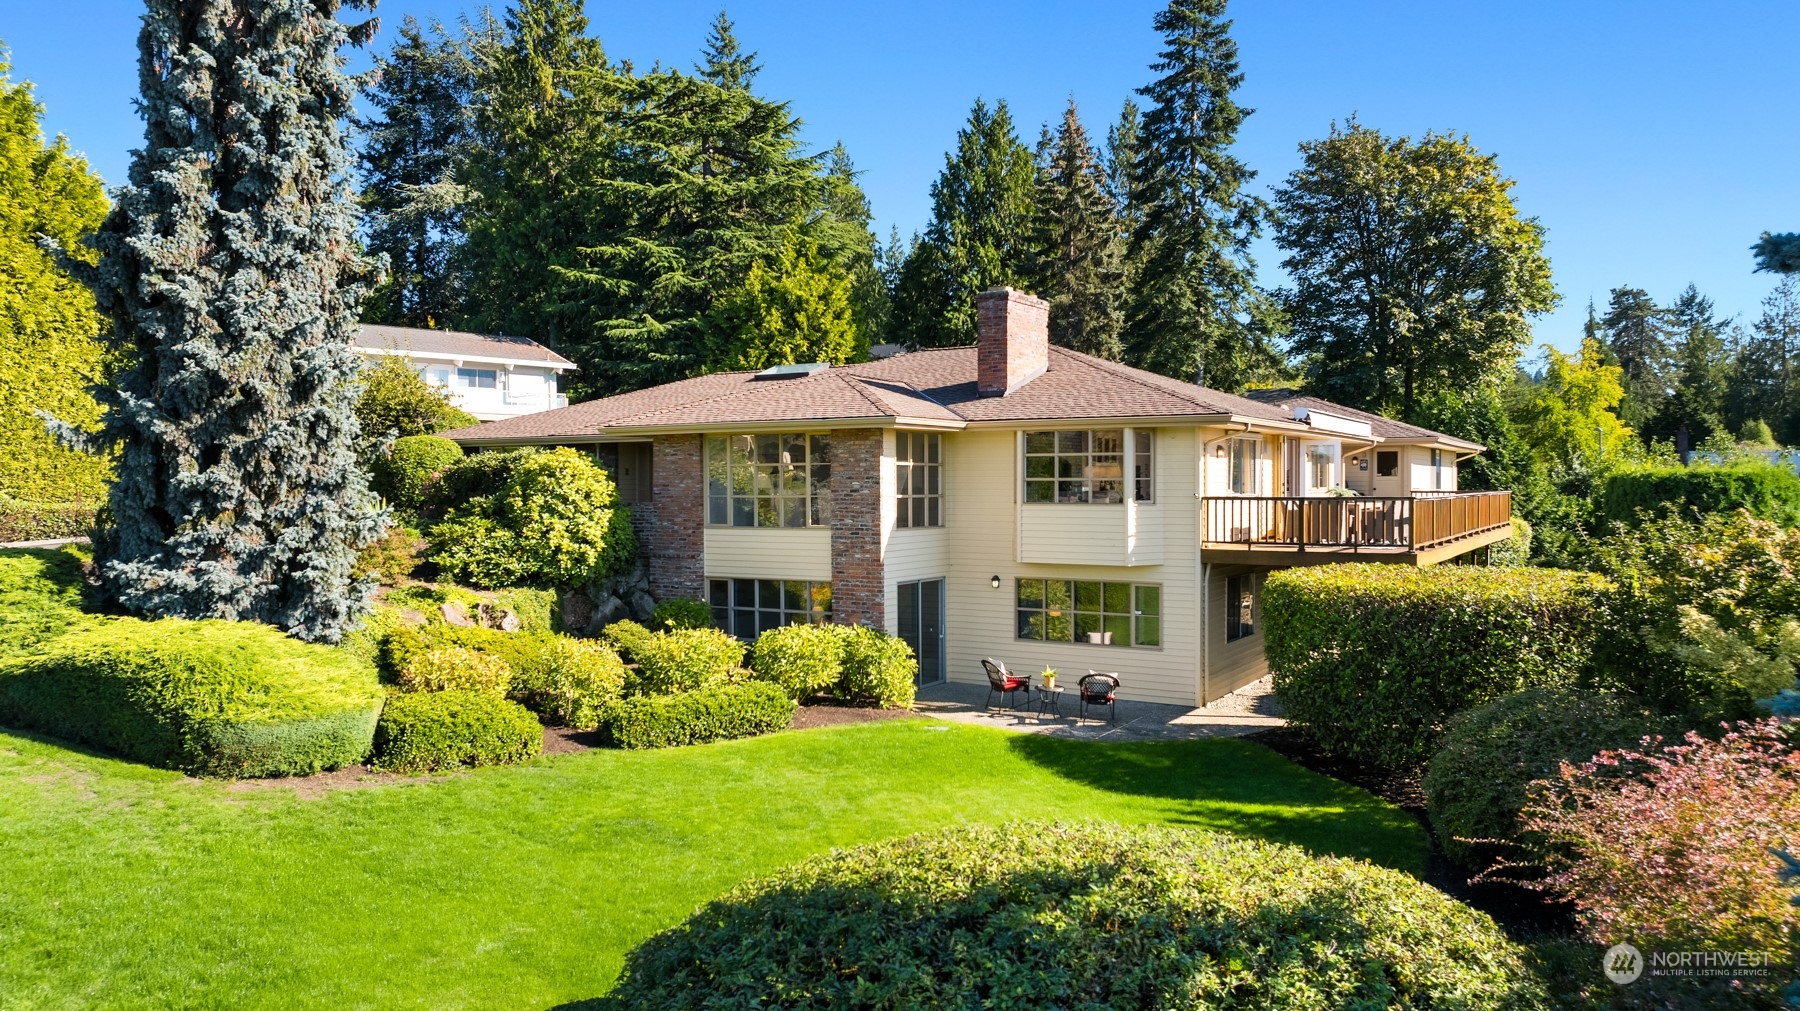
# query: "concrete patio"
1245,711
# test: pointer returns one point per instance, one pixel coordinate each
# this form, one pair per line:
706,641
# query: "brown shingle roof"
455,343
1384,428
932,386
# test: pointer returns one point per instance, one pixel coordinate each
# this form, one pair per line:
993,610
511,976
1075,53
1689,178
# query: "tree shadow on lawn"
1240,787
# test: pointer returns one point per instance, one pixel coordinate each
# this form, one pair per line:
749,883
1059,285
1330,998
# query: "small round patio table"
1049,700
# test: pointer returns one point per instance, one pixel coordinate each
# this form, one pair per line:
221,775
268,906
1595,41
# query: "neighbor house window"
1387,462
1243,604
918,479
1085,466
749,607
779,480
1076,610
1246,458
436,376
1440,474
477,379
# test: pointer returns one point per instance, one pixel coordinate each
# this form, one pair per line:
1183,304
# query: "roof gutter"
559,365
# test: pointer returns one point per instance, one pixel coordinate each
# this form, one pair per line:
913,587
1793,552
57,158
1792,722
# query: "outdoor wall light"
1219,451
994,582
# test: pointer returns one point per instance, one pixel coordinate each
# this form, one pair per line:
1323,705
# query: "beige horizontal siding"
769,553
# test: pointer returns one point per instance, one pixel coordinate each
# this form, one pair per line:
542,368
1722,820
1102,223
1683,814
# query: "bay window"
1087,466
768,480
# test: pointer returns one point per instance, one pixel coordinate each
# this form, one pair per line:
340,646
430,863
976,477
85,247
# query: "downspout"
1205,633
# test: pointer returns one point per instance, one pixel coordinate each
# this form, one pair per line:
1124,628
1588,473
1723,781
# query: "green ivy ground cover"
126,886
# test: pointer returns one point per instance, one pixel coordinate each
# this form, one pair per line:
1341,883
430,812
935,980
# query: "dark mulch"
562,740
1521,911
828,713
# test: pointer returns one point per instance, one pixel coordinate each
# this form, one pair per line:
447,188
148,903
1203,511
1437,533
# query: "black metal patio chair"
1097,689
1003,682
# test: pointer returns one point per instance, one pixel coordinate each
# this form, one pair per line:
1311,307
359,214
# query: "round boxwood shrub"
214,698
625,636
878,668
681,612
456,669
1372,660
569,681
1475,786
802,659
414,462
428,731
1091,916
718,713
685,660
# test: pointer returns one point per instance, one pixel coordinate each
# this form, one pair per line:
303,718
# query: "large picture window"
1076,610
749,607
1086,466
763,480
918,479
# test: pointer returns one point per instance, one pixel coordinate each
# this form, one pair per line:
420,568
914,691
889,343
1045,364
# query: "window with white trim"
918,479
1089,611
478,379
1243,605
1086,466
1321,465
1246,456
768,480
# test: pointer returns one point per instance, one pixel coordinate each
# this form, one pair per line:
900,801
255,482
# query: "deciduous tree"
1413,270
230,271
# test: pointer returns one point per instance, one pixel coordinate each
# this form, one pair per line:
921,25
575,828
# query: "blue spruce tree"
230,271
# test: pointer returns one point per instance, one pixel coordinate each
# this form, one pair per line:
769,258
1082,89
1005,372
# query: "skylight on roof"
792,371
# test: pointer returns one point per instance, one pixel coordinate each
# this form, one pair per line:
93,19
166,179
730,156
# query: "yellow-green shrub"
715,713
456,669
877,668
685,660
802,659
429,731
570,681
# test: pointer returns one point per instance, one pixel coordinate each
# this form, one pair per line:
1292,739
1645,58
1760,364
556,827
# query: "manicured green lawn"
122,886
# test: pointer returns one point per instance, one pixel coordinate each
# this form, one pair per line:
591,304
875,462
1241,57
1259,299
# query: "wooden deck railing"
1412,524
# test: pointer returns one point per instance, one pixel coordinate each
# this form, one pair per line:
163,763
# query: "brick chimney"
1012,340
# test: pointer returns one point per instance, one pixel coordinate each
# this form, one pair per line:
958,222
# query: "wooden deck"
1421,530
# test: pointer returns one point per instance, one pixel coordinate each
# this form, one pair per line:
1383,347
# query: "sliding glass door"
922,626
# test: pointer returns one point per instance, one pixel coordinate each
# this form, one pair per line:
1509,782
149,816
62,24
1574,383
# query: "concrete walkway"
1245,711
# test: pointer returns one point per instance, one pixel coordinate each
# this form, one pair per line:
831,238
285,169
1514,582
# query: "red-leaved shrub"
1674,848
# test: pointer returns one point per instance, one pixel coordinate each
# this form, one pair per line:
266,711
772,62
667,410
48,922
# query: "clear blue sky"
1653,140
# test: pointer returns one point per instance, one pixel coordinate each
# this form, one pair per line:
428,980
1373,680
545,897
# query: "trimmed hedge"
802,659
415,461
1091,916
877,668
1373,660
430,731
22,520
1476,785
681,612
456,669
717,713
40,596
1769,491
685,660
216,698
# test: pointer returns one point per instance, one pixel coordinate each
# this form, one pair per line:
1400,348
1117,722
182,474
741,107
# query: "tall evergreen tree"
1195,306
1778,254
799,306
981,232
540,159
50,352
230,271
1637,333
726,64
1765,384
1123,143
1077,267
1413,270
1702,368
413,145
841,226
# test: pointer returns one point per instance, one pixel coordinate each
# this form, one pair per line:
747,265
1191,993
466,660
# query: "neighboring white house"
490,377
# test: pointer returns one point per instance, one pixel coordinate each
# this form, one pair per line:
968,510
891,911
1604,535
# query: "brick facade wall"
671,525
1012,340
857,575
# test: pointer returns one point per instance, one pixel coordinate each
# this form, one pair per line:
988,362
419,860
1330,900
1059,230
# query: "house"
490,377
1013,499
